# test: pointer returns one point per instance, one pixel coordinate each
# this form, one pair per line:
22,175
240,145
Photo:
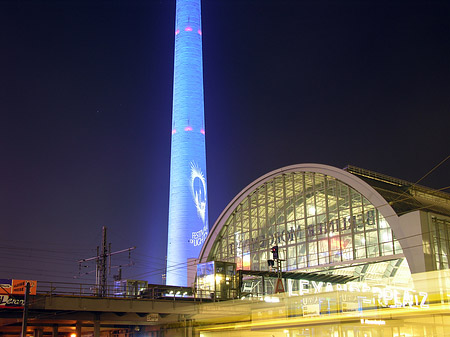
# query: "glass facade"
317,221
216,280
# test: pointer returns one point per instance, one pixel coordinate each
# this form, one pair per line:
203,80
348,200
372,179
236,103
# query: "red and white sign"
280,287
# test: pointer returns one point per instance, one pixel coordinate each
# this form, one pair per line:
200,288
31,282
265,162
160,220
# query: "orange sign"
280,287
19,286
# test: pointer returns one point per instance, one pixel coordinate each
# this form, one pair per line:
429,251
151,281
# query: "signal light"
275,252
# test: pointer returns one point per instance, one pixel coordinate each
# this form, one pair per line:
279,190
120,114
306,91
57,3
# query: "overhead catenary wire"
43,255
426,175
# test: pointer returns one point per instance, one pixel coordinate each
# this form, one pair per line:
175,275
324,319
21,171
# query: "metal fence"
153,292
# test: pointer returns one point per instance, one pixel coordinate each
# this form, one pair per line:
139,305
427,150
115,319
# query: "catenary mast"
188,205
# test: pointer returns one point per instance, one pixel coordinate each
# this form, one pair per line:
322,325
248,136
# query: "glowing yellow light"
270,299
73,335
209,280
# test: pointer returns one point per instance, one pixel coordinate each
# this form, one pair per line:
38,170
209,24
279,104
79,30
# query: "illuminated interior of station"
369,309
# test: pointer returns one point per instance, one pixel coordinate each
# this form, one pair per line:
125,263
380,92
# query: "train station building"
327,221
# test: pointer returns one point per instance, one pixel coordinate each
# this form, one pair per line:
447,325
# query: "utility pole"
101,271
103,278
25,310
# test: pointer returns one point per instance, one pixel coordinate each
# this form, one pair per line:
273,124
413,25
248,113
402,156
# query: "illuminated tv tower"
188,205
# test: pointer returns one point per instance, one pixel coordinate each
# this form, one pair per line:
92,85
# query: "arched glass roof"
321,219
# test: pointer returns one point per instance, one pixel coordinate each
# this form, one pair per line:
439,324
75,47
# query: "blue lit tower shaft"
188,206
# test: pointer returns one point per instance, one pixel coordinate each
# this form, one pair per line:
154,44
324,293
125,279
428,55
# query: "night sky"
86,100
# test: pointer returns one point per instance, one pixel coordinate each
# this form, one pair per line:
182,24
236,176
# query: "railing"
69,289
152,292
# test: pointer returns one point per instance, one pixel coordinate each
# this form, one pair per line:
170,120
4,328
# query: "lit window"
188,29
188,128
